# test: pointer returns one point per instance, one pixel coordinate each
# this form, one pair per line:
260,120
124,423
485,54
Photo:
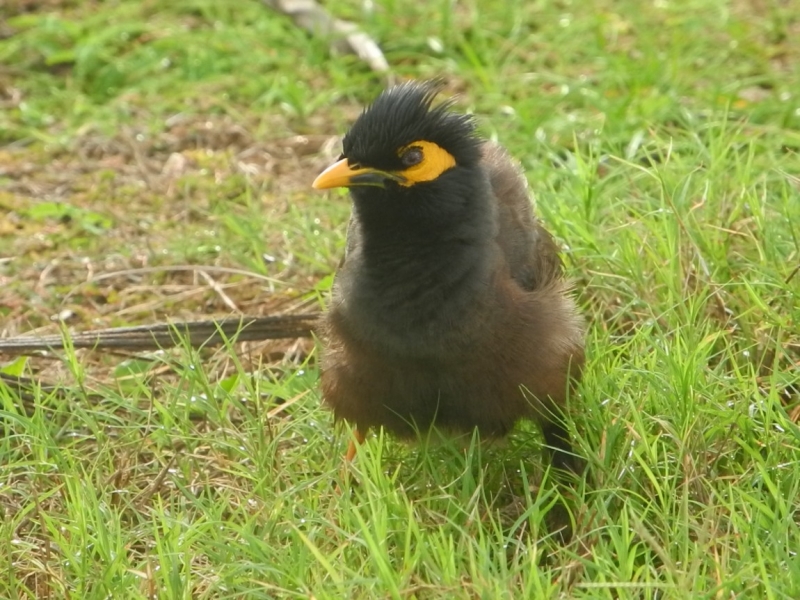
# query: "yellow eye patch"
435,160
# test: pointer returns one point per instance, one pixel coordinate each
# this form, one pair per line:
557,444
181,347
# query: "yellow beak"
341,174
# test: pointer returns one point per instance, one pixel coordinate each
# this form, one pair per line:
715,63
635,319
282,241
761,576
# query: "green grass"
661,143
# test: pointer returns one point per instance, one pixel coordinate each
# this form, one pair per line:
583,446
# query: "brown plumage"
450,306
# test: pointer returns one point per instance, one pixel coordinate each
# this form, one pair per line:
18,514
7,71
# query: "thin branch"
344,36
168,335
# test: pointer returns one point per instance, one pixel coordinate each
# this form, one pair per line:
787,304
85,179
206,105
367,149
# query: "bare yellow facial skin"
433,161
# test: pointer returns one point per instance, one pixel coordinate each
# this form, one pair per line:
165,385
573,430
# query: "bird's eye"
412,156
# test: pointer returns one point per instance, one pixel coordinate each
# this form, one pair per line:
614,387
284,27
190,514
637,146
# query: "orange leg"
354,443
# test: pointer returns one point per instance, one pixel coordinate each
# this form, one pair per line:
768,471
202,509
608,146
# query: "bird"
450,308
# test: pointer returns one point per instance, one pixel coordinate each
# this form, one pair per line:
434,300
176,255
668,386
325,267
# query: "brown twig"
168,335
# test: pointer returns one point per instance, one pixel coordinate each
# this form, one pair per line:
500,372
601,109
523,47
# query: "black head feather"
402,115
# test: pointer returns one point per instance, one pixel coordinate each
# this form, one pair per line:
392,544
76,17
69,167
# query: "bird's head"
404,144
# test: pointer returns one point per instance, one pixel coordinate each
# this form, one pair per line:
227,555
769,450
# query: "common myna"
449,307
